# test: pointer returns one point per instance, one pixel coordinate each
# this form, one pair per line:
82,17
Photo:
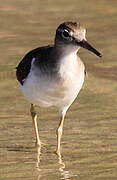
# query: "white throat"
68,61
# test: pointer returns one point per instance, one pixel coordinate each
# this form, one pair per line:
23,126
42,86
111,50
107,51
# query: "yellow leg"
34,118
59,134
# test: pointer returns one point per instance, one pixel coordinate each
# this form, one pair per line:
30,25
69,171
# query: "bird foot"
40,144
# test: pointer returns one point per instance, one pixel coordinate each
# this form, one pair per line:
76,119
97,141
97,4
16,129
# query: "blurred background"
89,143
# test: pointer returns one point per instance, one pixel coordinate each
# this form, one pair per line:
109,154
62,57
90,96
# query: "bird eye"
65,34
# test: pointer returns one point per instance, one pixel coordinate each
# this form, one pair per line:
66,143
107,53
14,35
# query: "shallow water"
89,143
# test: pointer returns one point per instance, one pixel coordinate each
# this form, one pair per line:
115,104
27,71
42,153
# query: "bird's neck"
65,54
65,50
60,59
66,58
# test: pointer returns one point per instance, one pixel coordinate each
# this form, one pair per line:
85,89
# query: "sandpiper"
53,75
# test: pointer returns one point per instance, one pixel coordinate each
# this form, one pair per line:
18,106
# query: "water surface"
89,143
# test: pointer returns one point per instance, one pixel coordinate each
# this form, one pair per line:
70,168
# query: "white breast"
50,91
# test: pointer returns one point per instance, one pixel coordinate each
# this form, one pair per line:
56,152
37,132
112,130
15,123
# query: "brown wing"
23,69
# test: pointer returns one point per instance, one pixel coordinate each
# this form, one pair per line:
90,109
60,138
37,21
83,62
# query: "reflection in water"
64,174
38,162
38,157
